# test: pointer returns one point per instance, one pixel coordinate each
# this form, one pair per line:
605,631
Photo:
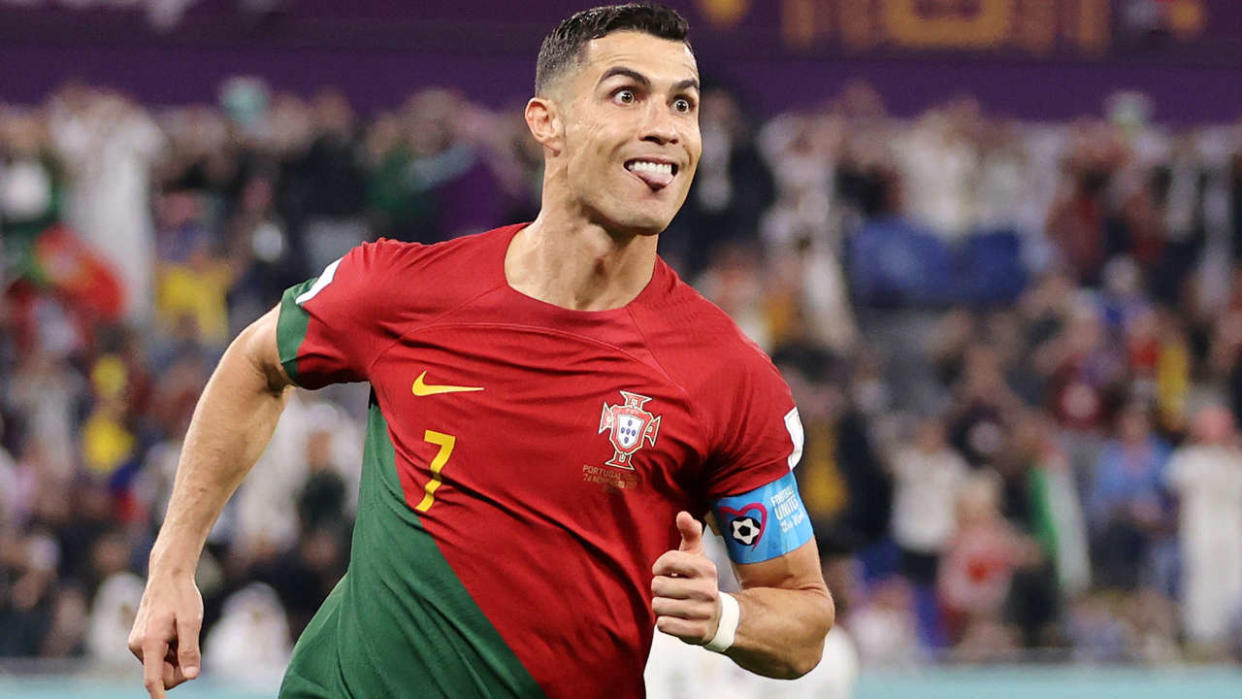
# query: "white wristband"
730,615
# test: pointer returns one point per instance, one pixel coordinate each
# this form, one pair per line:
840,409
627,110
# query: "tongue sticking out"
654,179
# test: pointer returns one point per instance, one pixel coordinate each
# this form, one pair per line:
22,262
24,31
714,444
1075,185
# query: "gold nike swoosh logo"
424,389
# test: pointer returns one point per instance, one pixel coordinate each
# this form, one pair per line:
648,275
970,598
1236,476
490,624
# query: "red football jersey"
525,464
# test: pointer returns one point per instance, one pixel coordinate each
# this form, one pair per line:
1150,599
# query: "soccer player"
551,409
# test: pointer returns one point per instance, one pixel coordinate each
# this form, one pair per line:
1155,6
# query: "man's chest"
516,414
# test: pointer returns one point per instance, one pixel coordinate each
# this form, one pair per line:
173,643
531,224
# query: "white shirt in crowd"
251,641
940,172
109,147
926,486
1208,482
112,617
677,670
265,508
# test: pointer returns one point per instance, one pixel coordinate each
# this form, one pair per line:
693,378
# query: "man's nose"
658,125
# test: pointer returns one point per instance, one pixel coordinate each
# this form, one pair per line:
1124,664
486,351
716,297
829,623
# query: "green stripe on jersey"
291,328
400,622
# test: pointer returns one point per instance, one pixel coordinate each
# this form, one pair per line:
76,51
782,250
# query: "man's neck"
569,262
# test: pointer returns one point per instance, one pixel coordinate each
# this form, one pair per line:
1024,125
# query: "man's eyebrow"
687,84
626,72
690,84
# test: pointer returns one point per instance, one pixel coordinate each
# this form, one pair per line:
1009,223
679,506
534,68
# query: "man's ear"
544,121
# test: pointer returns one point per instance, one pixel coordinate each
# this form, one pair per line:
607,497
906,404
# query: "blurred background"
993,245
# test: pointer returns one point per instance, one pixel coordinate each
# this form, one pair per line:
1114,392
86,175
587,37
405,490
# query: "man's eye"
682,105
624,97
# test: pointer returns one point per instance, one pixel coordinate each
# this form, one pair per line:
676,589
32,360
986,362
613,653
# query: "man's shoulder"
455,252
697,342
683,320
398,270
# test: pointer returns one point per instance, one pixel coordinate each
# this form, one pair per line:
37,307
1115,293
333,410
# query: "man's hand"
685,592
165,633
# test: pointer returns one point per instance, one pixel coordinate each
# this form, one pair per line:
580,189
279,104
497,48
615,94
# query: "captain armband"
765,523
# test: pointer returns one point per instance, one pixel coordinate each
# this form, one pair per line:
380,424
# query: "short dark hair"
563,47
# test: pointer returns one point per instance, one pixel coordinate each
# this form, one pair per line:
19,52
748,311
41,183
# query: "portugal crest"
629,427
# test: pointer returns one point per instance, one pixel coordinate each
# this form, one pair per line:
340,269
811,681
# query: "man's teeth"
647,166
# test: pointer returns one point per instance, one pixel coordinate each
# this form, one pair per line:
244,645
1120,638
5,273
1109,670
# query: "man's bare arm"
786,610
232,424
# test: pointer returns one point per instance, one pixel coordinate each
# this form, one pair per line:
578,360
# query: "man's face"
631,131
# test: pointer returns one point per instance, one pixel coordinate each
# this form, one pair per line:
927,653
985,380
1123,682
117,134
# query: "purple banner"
1029,58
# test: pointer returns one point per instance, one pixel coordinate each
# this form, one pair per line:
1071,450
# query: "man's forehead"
658,59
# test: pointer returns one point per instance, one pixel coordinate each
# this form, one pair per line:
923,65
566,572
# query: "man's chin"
636,223
645,227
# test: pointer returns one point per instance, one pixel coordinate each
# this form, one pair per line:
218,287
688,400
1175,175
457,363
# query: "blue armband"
767,522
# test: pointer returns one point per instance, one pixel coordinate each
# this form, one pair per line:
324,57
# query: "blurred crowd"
1016,348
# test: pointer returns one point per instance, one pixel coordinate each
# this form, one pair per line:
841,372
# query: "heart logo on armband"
746,524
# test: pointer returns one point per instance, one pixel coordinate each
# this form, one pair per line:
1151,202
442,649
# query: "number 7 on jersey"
445,442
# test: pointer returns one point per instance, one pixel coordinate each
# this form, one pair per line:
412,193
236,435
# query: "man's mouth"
656,173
